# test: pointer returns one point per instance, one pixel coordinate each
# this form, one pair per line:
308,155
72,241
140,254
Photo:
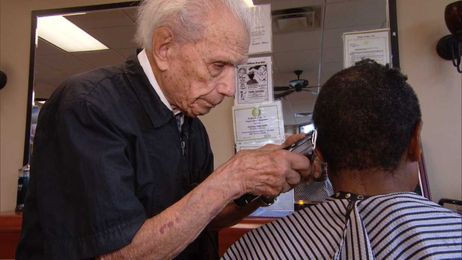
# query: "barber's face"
203,73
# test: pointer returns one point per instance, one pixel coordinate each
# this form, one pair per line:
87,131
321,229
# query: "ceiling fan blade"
283,94
310,87
280,88
303,114
312,90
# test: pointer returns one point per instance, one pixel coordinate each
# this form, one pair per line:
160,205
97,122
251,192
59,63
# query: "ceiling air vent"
296,19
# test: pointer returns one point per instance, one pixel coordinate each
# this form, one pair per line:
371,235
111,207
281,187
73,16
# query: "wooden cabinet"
10,229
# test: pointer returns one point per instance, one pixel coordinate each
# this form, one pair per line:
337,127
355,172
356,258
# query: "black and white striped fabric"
392,226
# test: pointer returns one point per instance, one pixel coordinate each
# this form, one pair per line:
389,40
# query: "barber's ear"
414,150
162,42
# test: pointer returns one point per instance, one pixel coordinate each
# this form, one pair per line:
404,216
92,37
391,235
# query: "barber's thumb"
292,139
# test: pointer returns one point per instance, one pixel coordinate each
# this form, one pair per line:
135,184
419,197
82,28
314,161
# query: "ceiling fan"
295,85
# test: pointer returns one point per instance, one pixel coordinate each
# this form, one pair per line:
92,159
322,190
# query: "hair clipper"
305,146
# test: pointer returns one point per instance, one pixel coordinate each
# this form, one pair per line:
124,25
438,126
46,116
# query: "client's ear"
414,150
318,154
319,169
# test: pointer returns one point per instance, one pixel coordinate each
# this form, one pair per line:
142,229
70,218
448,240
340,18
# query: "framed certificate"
257,123
261,31
374,45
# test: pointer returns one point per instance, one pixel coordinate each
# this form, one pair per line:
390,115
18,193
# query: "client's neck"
374,182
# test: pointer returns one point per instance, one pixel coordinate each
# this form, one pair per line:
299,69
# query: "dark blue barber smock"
107,156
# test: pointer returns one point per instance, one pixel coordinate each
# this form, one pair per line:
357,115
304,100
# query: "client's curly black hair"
365,116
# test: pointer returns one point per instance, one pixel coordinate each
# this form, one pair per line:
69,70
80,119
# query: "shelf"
10,231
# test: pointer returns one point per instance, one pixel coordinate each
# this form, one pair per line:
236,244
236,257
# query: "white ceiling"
291,51
114,28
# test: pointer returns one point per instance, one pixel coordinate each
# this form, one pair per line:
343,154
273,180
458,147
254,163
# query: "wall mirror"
113,25
310,41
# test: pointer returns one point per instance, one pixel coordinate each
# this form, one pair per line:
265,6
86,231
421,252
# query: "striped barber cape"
391,226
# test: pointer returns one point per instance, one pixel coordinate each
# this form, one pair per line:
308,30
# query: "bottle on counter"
23,184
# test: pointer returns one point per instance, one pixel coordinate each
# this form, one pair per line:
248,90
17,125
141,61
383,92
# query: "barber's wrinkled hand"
315,173
267,171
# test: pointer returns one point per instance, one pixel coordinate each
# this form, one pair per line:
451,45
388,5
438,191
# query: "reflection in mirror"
307,44
113,25
53,64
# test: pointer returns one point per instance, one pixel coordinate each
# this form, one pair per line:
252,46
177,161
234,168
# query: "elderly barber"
122,166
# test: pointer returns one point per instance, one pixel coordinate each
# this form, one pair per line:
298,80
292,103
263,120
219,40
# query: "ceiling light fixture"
66,35
249,3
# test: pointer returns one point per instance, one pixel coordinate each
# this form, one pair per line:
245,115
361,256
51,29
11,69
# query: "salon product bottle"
23,184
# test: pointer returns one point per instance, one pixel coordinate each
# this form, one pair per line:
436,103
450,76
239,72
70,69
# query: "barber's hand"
267,171
315,173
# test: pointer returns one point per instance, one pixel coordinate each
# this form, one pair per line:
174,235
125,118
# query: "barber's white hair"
184,17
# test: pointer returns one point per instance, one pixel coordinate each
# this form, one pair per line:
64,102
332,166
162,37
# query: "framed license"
373,44
261,31
257,123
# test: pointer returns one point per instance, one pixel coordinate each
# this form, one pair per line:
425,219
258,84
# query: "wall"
437,84
219,124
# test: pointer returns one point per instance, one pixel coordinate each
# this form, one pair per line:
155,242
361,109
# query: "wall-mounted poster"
373,44
257,123
261,31
254,81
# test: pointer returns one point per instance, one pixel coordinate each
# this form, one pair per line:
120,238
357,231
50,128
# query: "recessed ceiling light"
66,35
249,3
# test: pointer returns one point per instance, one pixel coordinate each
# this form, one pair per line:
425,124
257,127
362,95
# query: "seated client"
368,122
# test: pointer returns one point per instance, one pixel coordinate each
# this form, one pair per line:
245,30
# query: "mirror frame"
393,17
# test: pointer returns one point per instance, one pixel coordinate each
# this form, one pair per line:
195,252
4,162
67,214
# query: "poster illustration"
254,81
